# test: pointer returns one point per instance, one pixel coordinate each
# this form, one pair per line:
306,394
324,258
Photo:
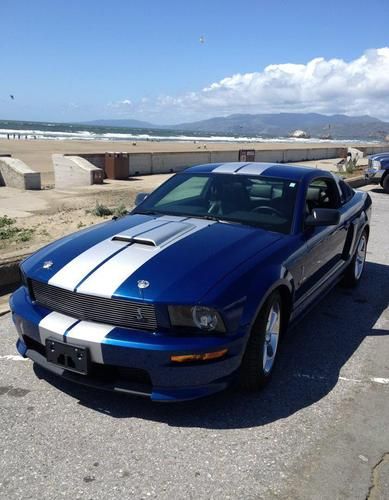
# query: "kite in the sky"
12,97
202,39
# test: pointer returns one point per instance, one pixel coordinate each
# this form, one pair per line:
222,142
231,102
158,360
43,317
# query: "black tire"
353,275
385,183
253,375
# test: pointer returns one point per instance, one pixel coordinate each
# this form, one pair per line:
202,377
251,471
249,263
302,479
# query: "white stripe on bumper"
90,335
54,325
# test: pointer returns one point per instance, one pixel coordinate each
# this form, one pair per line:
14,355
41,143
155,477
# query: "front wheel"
385,183
262,347
355,269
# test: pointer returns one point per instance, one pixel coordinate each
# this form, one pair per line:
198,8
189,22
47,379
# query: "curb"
356,182
9,272
4,310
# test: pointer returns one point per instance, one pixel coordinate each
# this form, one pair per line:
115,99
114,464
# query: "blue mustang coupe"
196,287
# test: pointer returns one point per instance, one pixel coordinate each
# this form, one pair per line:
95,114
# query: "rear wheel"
355,269
262,347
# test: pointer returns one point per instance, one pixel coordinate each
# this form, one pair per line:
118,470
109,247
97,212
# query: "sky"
78,60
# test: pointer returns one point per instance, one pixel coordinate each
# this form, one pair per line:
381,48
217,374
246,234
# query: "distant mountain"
283,124
121,123
272,125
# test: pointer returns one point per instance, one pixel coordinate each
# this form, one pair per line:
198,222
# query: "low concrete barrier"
73,171
223,156
15,173
140,163
166,162
371,150
270,156
175,162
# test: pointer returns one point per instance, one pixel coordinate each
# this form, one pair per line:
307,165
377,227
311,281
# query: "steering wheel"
265,208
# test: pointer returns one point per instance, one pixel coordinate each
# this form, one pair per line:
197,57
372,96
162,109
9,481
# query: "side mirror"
140,197
323,217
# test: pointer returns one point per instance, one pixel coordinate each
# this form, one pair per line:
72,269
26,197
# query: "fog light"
207,356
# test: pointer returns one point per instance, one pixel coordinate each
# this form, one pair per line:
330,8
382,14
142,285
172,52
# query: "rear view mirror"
323,217
140,197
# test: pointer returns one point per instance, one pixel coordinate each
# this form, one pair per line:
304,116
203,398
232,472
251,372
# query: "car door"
324,244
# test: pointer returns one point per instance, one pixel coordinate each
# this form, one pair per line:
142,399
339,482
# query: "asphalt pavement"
320,430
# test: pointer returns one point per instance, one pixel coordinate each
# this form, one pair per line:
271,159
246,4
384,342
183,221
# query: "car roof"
377,156
280,170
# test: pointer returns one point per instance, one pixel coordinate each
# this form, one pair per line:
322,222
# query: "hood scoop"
156,237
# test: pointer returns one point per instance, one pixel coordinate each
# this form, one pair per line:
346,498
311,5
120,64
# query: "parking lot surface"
319,430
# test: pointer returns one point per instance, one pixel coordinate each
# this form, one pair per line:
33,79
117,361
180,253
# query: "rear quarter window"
347,192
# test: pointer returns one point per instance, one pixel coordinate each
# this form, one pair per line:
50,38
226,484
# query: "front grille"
115,312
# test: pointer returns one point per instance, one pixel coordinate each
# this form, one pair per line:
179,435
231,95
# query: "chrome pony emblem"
47,264
143,284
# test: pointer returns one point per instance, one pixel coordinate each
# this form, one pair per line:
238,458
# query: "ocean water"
77,132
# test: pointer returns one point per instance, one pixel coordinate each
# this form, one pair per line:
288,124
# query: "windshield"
260,201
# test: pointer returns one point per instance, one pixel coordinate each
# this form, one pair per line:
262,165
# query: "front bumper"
374,174
130,361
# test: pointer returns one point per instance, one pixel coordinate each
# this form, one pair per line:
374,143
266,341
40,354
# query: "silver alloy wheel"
360,257
272,334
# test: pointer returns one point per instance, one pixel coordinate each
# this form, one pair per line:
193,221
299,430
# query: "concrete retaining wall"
175,162
15,173
157,163
371,150
270,156
223,156
140,163
97,159
73,171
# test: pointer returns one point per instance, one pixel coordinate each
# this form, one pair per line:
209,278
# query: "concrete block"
74,171
223,156
269,156
175,162
97,159
139,163
15,173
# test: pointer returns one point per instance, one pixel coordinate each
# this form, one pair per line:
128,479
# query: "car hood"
162,259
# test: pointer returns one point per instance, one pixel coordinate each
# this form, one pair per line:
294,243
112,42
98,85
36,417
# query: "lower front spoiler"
122,386
374,175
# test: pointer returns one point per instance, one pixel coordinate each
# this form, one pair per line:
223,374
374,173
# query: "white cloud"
360,86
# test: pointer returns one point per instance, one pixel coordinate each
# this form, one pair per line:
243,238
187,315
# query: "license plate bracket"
68,356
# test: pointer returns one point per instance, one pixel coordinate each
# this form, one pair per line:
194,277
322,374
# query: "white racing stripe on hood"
90,335
54,325
72,273
110,275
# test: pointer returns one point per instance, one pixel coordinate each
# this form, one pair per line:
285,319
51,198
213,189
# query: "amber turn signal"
207,356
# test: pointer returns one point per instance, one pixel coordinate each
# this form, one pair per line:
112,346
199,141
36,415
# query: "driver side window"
321,193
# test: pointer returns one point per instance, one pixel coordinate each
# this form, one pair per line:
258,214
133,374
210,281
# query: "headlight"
202,317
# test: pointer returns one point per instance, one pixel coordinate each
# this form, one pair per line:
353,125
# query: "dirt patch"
41,217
